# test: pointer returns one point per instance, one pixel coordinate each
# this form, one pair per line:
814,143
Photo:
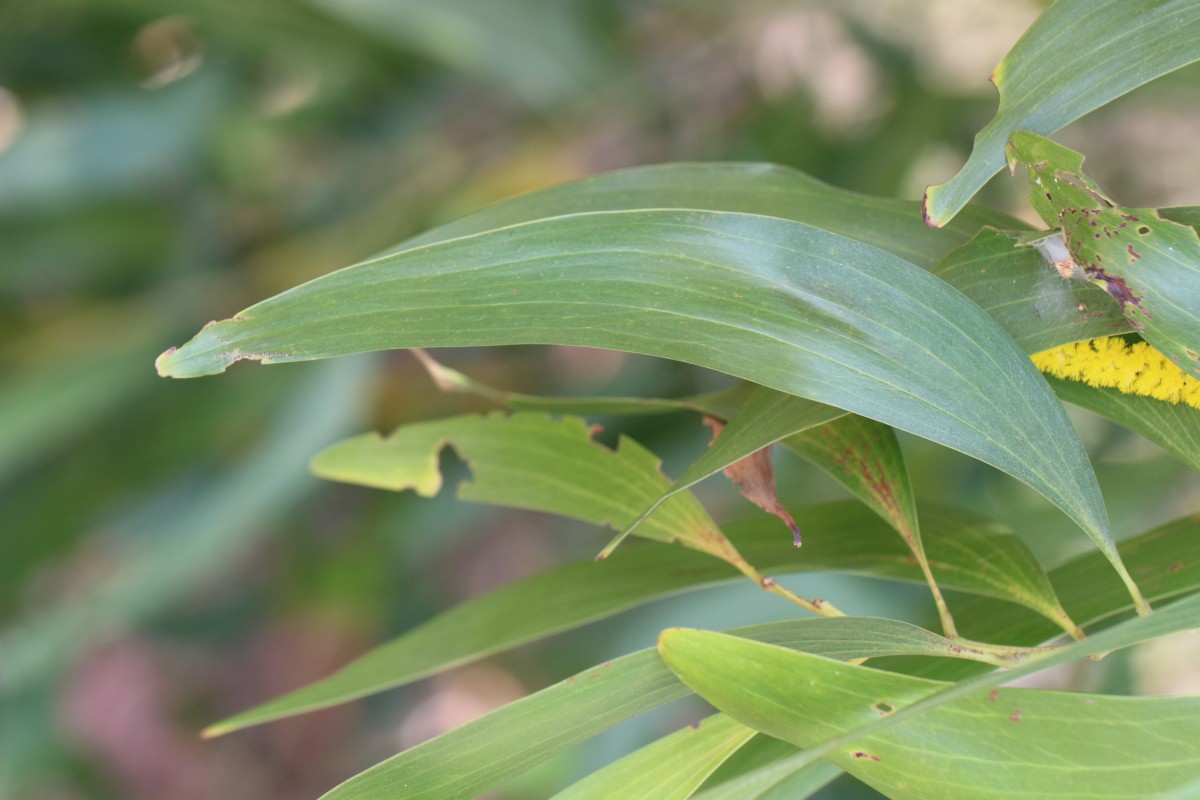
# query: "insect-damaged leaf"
1029,300
1077,56
779,303
1150,265
530,460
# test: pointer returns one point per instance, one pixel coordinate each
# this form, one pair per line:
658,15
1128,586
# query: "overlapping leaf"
1077,56
963,740
1150,265
506,742
1173,426
776,302
968,555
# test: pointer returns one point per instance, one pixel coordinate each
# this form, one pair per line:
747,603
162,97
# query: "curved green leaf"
506,742
1174,427
668,769
1077,56
779,303
768,189
1150,265
969,555
961,740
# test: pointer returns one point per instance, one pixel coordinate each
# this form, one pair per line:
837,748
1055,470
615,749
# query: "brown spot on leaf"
861,756
755,478
1015,716
993,695
1178,565
1134,255
1143,230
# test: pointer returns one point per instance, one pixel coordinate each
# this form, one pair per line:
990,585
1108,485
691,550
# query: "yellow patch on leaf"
1113,363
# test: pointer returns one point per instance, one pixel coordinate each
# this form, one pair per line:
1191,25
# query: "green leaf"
668,769
464,762
533,461
1150,265
1016,287
772,301
946,740
1175,427
1166,561
864,456
767,189
969,555
779,780
1077,56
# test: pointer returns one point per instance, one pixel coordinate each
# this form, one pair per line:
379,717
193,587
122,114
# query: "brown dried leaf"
755,478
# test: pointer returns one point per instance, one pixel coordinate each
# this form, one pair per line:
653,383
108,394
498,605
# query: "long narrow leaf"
968,555
772,301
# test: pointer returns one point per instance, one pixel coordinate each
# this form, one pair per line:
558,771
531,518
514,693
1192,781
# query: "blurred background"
164,558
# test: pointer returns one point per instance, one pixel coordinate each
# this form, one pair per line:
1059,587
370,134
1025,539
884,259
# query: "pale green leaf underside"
529,460
782,304
1077,56
1061,744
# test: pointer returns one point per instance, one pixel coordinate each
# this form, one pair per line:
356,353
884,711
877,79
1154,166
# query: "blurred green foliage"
164,558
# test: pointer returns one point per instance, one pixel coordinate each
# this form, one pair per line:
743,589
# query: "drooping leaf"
533,461
864,456
670,768
1077,56
960,739
1175,427
1166,561
1030,301
768,189
1150,265
772,301
969,555
464,762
